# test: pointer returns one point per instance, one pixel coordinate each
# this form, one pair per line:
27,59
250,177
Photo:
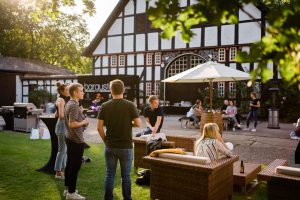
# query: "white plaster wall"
140,42
101,47
152,3
246,49
250,8
105,61
182,3
152,41
98,62
140,6
130,60
121,14
116,28
232,65
114,44
25,99
104,72
157,73
166,44
192,2
121,70
211,36
129,8
18,89
178,42
97,72
130,70
113,71
128,24
246,67
139,70
249,32
196,39
227,34
149,73
140,59
128,43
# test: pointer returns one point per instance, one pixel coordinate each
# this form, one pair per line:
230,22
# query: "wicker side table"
243,179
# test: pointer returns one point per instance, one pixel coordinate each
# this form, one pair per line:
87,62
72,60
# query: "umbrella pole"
210,95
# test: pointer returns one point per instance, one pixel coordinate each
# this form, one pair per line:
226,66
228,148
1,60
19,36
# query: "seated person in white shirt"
211,144
231,112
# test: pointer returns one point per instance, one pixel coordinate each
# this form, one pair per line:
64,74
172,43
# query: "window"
158,58
232,90
113,61
122,60
232,54
178,66
221,89
195,60
221,55
148,89
149,59
156,89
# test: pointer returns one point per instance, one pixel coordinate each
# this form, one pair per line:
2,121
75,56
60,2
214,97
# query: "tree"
58,41
281,45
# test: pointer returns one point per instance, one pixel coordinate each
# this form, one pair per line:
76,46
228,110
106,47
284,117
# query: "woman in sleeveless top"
60,130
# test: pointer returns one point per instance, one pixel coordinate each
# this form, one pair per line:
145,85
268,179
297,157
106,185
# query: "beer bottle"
242,169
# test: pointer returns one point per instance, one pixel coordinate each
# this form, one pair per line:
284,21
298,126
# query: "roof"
22,65
104,29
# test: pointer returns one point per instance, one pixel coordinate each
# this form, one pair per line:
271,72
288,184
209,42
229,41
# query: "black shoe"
144,180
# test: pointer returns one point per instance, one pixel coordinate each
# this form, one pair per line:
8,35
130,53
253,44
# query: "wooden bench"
266,173
244,179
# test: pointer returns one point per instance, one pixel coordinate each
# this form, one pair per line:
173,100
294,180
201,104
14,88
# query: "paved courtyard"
262,146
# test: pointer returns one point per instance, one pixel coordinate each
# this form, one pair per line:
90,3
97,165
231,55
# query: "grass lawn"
20,157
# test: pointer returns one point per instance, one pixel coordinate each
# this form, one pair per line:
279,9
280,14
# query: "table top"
248,168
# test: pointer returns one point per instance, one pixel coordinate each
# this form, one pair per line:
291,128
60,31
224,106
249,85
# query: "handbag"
153,144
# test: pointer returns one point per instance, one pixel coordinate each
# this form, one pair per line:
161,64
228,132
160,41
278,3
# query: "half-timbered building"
127,45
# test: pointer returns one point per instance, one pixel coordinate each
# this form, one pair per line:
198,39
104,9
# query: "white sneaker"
74,196
253,130
246,129
66,192
238,125
233,129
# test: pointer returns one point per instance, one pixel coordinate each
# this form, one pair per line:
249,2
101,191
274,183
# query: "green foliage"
38,97
281,45
58,41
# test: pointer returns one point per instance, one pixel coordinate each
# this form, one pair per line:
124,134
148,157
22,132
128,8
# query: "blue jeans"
112,155
252,115
61,157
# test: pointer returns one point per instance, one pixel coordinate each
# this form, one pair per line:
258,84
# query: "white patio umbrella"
208,72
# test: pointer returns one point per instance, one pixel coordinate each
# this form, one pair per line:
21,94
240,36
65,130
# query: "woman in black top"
254,107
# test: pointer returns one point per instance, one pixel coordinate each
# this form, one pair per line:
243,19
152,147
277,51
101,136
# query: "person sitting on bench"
154,117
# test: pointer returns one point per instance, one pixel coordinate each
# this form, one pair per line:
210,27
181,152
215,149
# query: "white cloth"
156,136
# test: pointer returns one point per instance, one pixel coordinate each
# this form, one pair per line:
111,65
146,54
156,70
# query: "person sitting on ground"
224,107
231,113
154,117
211,144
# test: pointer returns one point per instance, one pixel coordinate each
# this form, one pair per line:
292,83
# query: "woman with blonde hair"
60,129
211,144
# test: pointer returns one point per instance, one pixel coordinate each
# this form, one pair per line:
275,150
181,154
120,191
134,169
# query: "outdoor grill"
26,116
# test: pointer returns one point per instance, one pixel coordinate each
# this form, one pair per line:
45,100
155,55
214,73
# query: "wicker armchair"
180,180
280,186
173,141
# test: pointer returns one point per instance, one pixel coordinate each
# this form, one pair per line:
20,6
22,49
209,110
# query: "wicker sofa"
280,186
182,180
173,141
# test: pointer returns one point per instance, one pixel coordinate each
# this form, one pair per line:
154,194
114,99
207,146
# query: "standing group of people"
69,130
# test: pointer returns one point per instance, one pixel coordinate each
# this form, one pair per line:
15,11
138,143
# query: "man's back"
117,115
